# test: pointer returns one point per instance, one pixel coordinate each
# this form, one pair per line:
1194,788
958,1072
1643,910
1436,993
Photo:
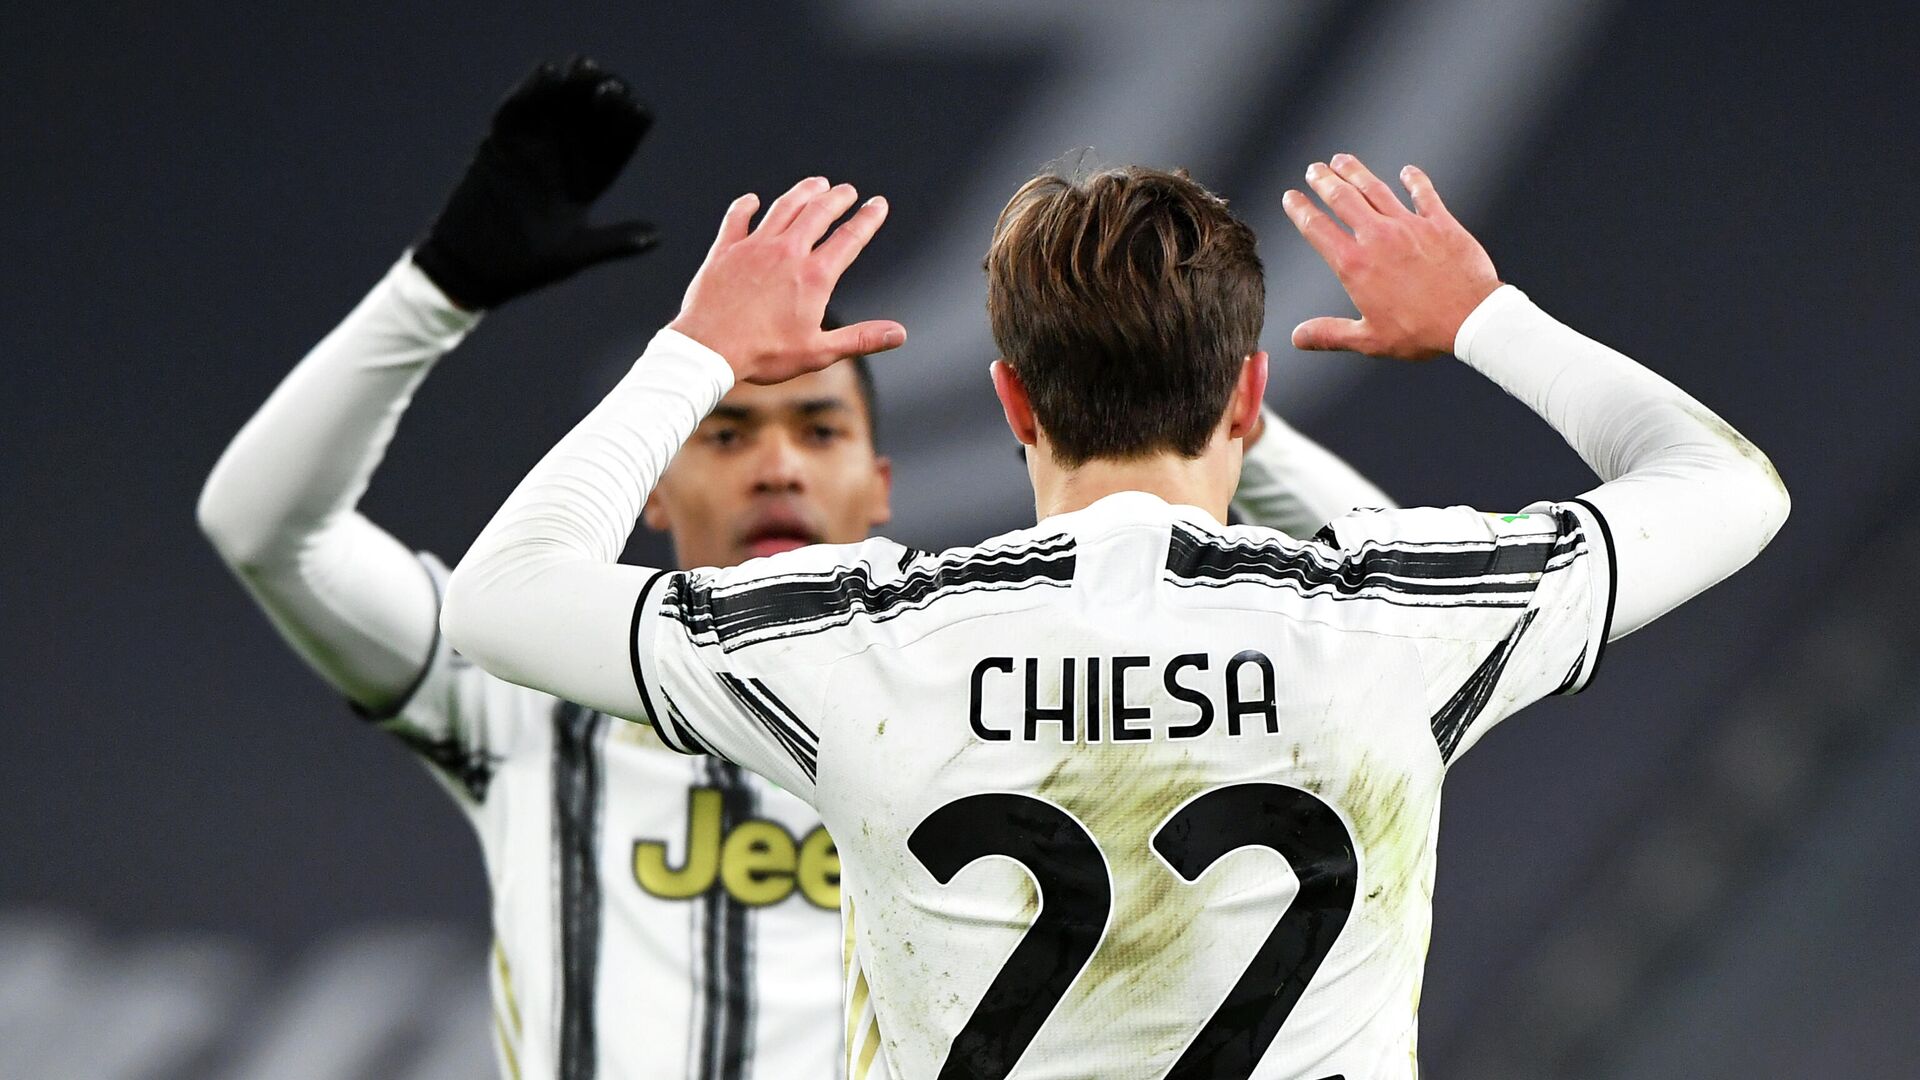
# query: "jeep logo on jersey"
758,863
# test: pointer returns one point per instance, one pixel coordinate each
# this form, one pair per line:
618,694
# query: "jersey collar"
1135,506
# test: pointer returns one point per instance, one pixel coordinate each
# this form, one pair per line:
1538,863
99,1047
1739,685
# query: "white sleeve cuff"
1503,301
691,364
423,298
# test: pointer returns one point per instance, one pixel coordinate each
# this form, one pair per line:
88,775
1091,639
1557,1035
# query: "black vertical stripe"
578,793
727,1036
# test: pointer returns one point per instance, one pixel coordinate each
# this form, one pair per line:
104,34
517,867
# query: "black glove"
518,219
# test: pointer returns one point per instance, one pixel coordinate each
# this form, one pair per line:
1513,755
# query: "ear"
881,511
654,513
1243,409
1015,403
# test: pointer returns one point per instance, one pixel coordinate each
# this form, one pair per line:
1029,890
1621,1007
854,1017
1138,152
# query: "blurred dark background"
1702,867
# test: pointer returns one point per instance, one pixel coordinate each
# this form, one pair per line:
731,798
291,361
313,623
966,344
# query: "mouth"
774,537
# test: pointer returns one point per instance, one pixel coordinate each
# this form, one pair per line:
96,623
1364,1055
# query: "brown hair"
1126,301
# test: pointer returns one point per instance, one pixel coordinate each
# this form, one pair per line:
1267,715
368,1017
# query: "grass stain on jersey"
1391,835
1740,443
1122,803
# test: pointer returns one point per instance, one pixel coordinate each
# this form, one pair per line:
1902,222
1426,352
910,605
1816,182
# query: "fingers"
1330,334
551,78
850,239
864,339
1330,240
544,74
1375,190
823,211
1425,198
787,207
1341,197
614,101
733,226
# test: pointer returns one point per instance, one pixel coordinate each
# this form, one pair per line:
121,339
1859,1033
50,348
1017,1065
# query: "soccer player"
655,915
1130,793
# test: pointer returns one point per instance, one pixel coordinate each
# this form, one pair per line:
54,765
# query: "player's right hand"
1413,275
517,221
760,296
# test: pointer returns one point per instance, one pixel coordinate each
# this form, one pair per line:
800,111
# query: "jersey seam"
1426,683
634,658
842,655
392,711
1613,590
1392,634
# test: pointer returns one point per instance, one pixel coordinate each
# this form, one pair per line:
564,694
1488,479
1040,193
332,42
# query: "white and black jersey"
655,915
1132,793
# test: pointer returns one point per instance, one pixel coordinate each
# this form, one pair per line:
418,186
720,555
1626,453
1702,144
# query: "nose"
776,467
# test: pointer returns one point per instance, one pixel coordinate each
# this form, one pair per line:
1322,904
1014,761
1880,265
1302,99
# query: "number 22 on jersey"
1077,898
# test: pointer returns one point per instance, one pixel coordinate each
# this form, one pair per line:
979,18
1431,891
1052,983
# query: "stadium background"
1703,867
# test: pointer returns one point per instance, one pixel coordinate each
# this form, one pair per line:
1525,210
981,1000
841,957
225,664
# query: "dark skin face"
774,468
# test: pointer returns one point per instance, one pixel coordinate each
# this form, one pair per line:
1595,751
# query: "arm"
539,599
280,505
1685,499
1291,483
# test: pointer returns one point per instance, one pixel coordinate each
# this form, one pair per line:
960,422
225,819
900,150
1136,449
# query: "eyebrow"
808,407
816,406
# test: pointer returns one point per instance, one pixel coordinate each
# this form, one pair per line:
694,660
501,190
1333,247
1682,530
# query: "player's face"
775,468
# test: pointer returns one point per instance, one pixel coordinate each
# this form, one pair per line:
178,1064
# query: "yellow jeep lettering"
819,872
758,863
650,867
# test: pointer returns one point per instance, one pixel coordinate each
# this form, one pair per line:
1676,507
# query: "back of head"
1126,301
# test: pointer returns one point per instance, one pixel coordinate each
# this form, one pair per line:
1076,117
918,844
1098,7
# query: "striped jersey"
1132,793
655,915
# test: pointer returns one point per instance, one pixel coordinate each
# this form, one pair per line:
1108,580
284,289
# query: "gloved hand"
518,219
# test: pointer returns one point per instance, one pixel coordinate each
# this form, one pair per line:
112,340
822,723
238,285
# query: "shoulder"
1451,572
1363,532
824,587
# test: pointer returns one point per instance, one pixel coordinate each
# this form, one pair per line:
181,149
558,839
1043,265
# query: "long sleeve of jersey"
533,598
1291,483
280,504
1686,501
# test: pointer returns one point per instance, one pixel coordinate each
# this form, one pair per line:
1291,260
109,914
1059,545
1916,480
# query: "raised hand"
1414,275
517,221
759,298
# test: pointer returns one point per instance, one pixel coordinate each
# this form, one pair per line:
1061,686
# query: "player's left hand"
1414,275
517,220
760,296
